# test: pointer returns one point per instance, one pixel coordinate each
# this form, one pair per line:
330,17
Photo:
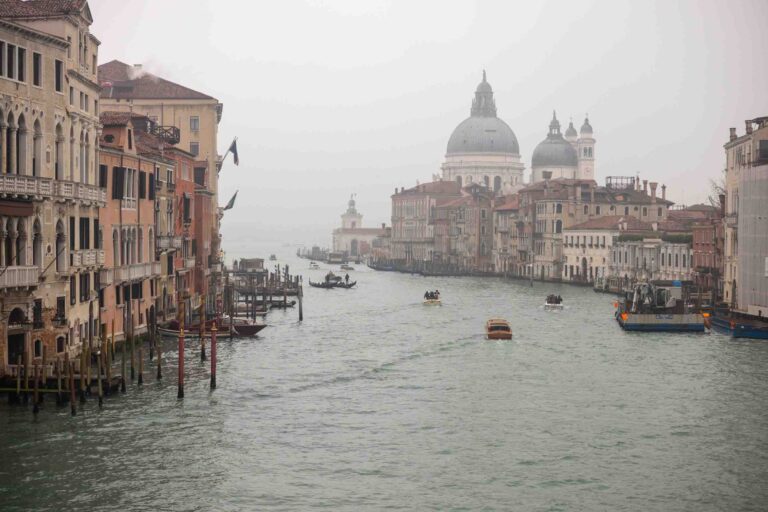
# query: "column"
3,132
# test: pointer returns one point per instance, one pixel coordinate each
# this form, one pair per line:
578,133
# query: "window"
59,75
60,344
21,71
645,211
71,95
130,139
72,291
10,65
194,123
626,210
659,211
194,148
37,69
597,210
2,58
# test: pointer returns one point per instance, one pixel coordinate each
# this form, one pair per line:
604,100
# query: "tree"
717,189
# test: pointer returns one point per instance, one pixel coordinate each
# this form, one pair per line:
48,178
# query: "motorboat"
498,329
433,302
553,302
346,267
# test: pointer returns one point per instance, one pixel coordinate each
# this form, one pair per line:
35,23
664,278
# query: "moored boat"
658,307
498,329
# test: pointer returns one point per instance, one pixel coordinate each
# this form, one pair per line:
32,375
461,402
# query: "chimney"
645,187
653,191
663,192
733,133
749,126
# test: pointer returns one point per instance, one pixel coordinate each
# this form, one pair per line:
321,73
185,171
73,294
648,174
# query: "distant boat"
346,267
553,302
498,329
328,285
272,257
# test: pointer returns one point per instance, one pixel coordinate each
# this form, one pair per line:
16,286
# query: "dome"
483,135
586,128
571,131
554,151
483,132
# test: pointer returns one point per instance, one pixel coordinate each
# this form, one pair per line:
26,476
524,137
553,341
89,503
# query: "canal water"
378,402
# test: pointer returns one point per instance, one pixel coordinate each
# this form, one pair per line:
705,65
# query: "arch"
115,248
21,243
38,348
37,150
558,226
487,182
37,244
71,175
10,234
61,246
17,317
60,343
21,146
584,269
8,143
58,153
497,184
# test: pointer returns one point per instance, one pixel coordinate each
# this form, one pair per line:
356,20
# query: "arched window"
60,344
497,183
586,209
71,175
140,251
21,146
83,170
597,210
21,243
559,208
61,245
37,244
38,348
58,164
559,226
37,150
487,182
645,211
10,233
115,248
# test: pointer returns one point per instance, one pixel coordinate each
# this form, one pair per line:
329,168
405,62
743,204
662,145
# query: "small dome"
586,128
554,151
571,131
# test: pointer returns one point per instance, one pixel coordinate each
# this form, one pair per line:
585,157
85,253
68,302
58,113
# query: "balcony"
189,263
106,277
69,190
137,271
167,242
87,258
37,188
19,277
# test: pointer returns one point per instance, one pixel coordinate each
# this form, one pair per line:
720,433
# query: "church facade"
352,238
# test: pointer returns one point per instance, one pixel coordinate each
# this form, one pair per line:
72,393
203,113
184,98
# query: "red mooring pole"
181,363
213,355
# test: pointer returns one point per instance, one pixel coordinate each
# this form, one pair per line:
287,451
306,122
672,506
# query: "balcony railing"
165,242
189,262
35,187
17,277
87,258
106,277
137,271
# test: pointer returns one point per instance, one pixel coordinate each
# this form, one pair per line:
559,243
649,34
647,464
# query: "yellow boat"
498,329
432,302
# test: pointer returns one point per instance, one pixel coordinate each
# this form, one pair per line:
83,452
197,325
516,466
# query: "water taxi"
553,302
498,329
313,265
658,306
433,302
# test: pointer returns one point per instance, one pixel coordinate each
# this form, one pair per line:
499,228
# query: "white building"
352,238
571,157
483,148
651,259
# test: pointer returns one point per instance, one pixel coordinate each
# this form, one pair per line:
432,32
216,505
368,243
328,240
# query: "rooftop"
122,81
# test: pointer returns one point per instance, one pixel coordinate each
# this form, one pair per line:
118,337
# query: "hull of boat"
553,306
689,322
497,335
432,302
739,329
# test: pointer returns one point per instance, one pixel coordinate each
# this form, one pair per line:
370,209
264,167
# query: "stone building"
752,227
129,284
483,148
744,154
413,211
651,258
571,157
352,238
197,116
49,193
507,234
463,231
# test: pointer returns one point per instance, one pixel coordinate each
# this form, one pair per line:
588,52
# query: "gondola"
332,284
237,331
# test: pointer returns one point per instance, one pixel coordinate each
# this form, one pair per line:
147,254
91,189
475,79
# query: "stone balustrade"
19,276
35,187
137,271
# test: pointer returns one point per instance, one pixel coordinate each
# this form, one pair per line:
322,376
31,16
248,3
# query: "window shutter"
72,233
142,185
118,182
152,186
103,176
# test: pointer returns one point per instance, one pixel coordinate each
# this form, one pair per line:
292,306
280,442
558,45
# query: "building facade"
352,238
49,194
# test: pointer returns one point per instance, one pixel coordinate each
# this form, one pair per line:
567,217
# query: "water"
378,402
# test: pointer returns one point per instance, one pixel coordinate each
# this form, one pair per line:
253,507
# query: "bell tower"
586,148
351,219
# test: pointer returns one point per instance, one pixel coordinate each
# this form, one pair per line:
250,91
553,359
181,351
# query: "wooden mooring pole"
141,365
71,369
181,364
202,329
213,356
101,355
82,374
159,360
122,371
36,397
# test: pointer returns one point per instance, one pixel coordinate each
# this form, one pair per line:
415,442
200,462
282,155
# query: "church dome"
586,128
554,151
571,131
483,132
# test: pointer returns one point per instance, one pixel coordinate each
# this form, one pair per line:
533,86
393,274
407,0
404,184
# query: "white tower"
351,219
586,148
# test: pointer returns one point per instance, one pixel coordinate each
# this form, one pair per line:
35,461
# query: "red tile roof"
434,187
39,8
110,118
122,81
508,203
611,222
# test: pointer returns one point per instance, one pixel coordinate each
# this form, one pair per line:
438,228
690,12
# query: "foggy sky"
330,98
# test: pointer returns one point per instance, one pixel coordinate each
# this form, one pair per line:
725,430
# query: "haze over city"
330,98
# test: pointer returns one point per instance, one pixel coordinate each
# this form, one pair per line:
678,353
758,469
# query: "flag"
233,150
231,202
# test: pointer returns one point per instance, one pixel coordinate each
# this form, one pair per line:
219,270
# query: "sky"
330,98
